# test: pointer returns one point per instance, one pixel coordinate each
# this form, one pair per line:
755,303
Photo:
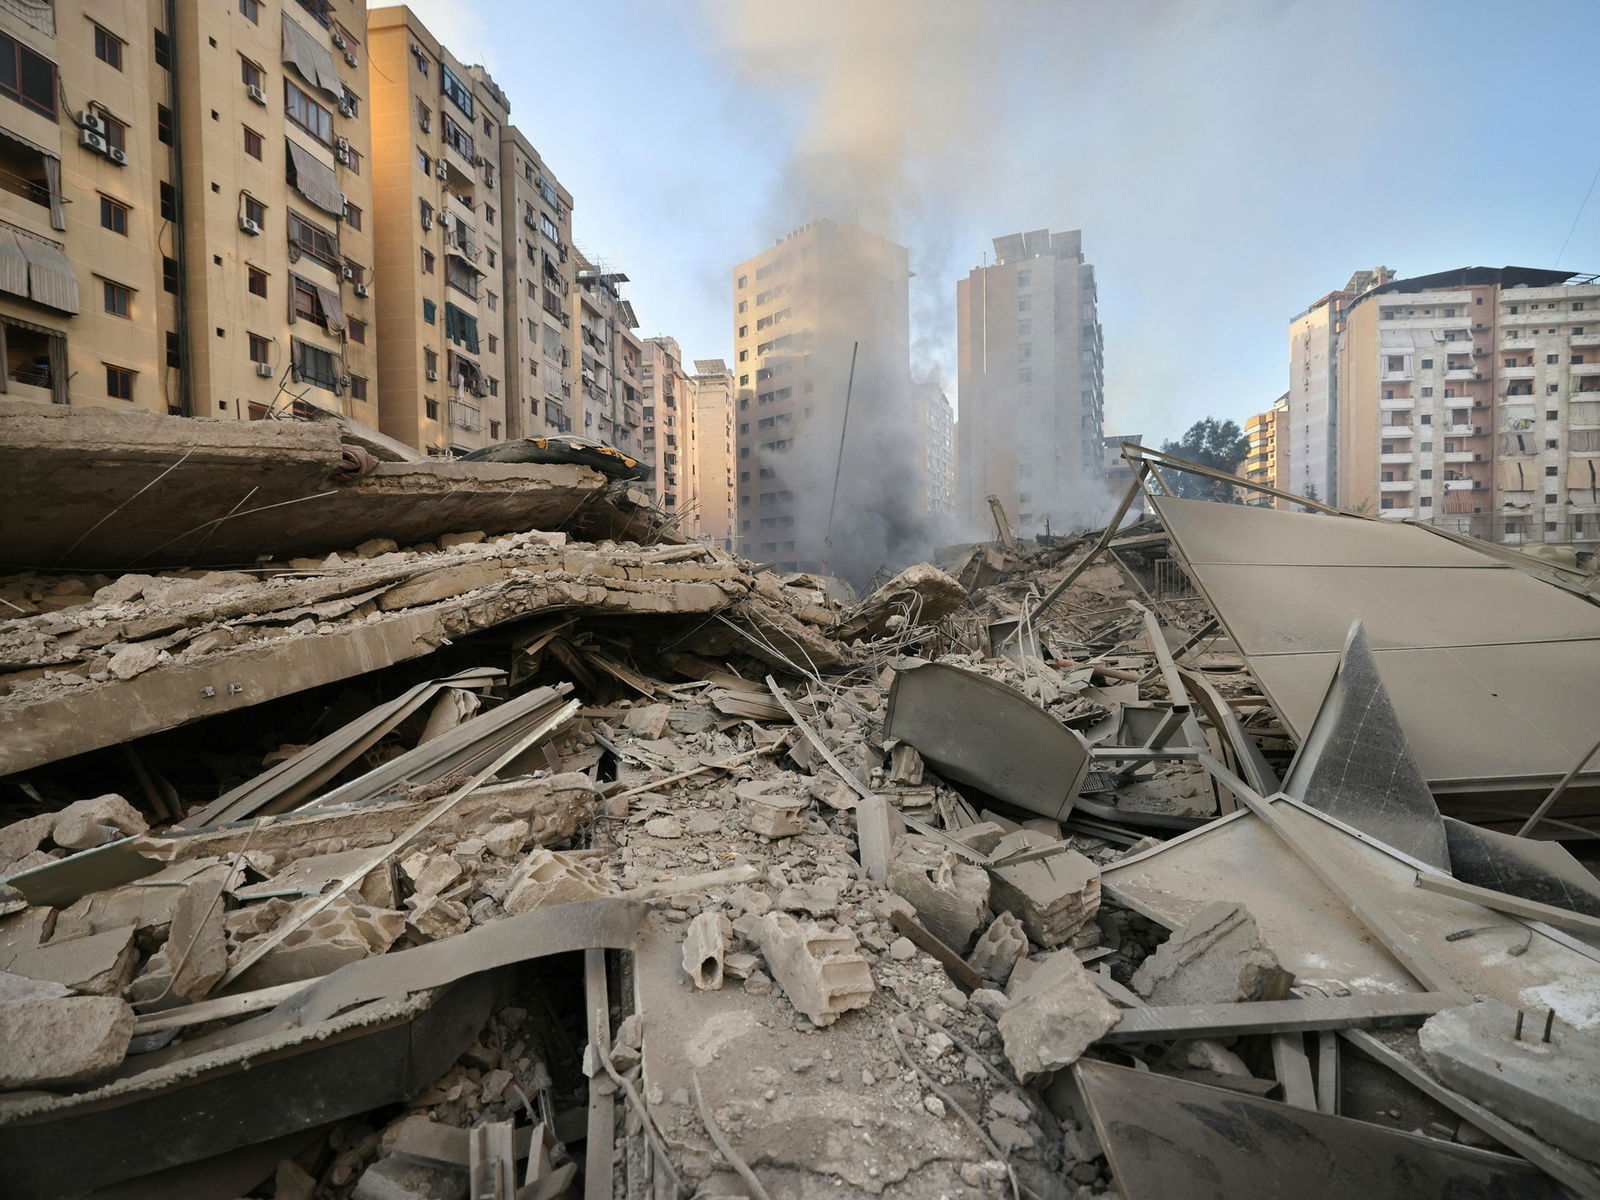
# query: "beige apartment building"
936,428
1032,385
669,433
1465,401
234,287
436,159
608,399
824,299
716,451
539,267
1267,459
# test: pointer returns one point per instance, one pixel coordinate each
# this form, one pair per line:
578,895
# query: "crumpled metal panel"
975,731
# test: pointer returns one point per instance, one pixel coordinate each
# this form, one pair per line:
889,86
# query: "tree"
1219,445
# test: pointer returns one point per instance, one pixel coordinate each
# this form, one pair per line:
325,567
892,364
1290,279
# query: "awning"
51,280
461,327
314,179
13,265
310,57
51,164
332,309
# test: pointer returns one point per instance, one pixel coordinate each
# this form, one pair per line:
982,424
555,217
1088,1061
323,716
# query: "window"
260,349
430,311
312,364
307,113
257,281
163,48
1550,498
251,10
116,133
114,215
169,274
351,101
169,202
488,216
1426,419
1024,303
548,228
119,382
352,215
26,77
1427,364
358,330
164,124
1576,359
425,213
1426,472
174,351
358,387
458,139
1550,471
252,142
430,362
1552,415
108,47
1552,389
457,92
303,300
251,73
313,241
427,262
118,299
494,344
1427,391
255,211
432,409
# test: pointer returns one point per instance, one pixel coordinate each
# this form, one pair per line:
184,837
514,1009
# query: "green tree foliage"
1220,445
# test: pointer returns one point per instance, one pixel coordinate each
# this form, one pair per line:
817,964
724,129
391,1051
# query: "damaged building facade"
374,828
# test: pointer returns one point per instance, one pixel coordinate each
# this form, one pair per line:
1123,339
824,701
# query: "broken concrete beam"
1002,945
705,946
547,877
60,1041
343,932
820,972
1219,957
1054,1017
85,824
100,964
951,896
1547,1087
1053,896
920,595
877,827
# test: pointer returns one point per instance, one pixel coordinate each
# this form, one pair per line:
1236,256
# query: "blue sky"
1228,161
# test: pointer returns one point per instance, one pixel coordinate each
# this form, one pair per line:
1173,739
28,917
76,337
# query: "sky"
1229,161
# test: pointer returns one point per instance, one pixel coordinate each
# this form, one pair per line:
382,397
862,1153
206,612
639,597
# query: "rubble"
861,900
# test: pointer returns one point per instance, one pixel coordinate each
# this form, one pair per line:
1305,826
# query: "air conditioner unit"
362,290
338,40
90,140
348,272
432,375
350,60
118,156
342,153
344,381
427,222
445,220
265,370
346,109
250,226
441,168
88,120
258,94
426,123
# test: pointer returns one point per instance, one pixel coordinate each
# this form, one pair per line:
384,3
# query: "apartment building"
716,451
607,400
936,424
1267,459
1314,387
536,231
1032,384
186,211
436,153
669,433
821,317
1465,402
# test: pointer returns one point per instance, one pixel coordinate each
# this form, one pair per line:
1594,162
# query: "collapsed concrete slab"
1547,1087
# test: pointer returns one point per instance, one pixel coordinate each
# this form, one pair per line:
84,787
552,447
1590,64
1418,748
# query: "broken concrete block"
24,931
443,584
648,720
449,541
341,933
819,899
85,824
133,660
820,972
64,1040
14,989
982,837
998,950
705,944
772,814
373,547
197,947
1217,958
100,964
21,838
663,827
951,895
1548,1088
435,918
396,1178
548,877
431,874
1054,1018
905,765
507,839
1053,897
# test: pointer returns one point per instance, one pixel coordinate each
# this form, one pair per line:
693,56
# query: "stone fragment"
1217,958
1058,1014
702,824
739,965
21,838
341,933
905,765
663,827
373,547
549,877
775,815
133,660
758,983
85,824
196,947
434,918
431,874
100,964
648,720
820,899
820,972
449,541
997,951
705,945
62,1040
1053,897
951,896
24,931
1009,1136
396,1178
989,1002
506,839
902,949
1548,1088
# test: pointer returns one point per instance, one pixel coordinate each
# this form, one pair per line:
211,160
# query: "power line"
1579,217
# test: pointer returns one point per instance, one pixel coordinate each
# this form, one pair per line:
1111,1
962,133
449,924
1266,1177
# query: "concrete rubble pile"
594,867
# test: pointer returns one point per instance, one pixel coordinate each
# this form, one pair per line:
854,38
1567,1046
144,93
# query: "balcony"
1397,485
1520,371
465,416
1395,431
1464,485
1585,339
1586,368
1391,404
1517,341
1466,374
1402,458
1464,431
1462,456
1396,514
1397,376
